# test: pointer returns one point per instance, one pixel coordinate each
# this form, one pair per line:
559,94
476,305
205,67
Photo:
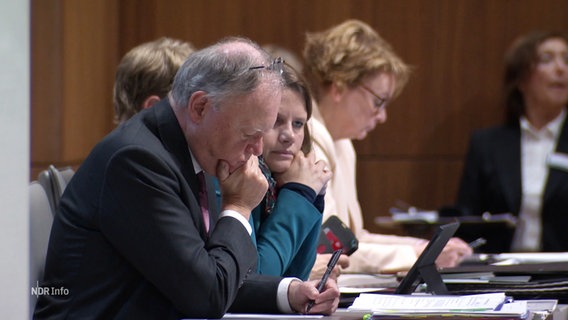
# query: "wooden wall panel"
423,183
457,49
89,55
46,85
74,45
455,46
137,20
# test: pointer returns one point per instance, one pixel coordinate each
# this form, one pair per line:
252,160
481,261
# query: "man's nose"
255,147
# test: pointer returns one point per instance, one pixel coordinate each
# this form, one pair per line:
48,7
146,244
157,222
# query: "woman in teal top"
286,225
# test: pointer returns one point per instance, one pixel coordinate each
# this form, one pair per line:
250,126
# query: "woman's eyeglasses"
379,103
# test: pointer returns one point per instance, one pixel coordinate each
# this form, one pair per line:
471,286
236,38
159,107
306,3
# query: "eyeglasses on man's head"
275,65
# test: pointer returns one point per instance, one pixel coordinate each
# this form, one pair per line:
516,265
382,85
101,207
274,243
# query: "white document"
360,283
427,303
529,257
355,290
483,277
361,280
517,309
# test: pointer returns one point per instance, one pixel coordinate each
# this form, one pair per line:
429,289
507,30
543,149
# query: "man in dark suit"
132,240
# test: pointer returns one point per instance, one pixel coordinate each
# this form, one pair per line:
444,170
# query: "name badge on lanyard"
558,160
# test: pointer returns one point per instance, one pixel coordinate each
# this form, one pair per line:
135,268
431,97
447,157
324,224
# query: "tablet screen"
424,269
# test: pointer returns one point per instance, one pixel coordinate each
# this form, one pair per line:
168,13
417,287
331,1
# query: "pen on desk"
477,243
330,265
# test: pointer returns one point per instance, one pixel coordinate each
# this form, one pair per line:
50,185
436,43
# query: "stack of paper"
491,305
358,283
529,257
483,277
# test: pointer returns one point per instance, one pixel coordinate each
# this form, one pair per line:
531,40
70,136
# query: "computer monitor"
424,269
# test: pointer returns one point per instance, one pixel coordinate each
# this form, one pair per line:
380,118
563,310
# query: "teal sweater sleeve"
287,239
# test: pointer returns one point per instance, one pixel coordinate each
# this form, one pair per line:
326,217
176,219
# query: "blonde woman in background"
354,74
145,74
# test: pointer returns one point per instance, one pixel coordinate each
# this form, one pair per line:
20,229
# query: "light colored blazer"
376,252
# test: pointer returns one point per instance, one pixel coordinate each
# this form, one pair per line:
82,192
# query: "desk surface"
561,313
340,314
343,314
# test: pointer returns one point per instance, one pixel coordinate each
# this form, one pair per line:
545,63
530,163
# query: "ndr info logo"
49,291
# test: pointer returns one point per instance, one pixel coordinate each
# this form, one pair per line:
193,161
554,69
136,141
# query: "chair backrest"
41,219
55,181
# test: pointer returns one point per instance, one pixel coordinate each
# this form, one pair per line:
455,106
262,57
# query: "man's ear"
150,101
197,105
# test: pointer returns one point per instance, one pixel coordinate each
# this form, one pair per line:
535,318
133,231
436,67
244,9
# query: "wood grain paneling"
455,46
46,85
89,56
137,22
425,183
74,45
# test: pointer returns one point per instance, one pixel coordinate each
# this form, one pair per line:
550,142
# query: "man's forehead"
263,100
254,122
255,111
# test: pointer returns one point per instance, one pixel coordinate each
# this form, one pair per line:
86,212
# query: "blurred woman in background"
521,167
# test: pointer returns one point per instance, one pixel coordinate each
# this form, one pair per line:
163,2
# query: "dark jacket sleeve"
144,214
308,193
469,195
257,295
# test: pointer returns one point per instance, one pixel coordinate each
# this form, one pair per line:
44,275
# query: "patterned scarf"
270,198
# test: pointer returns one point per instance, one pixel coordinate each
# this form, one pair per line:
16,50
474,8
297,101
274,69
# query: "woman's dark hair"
520,61
294,81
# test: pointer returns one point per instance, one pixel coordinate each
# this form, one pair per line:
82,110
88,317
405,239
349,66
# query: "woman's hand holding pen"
301,293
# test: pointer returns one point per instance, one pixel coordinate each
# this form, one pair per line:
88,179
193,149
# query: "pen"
477,243
326,274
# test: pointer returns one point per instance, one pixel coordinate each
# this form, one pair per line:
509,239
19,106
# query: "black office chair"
55,181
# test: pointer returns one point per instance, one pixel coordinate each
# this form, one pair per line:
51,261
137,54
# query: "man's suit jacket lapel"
174,141
508,155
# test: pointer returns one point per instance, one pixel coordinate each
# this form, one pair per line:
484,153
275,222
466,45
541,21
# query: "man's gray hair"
222,73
